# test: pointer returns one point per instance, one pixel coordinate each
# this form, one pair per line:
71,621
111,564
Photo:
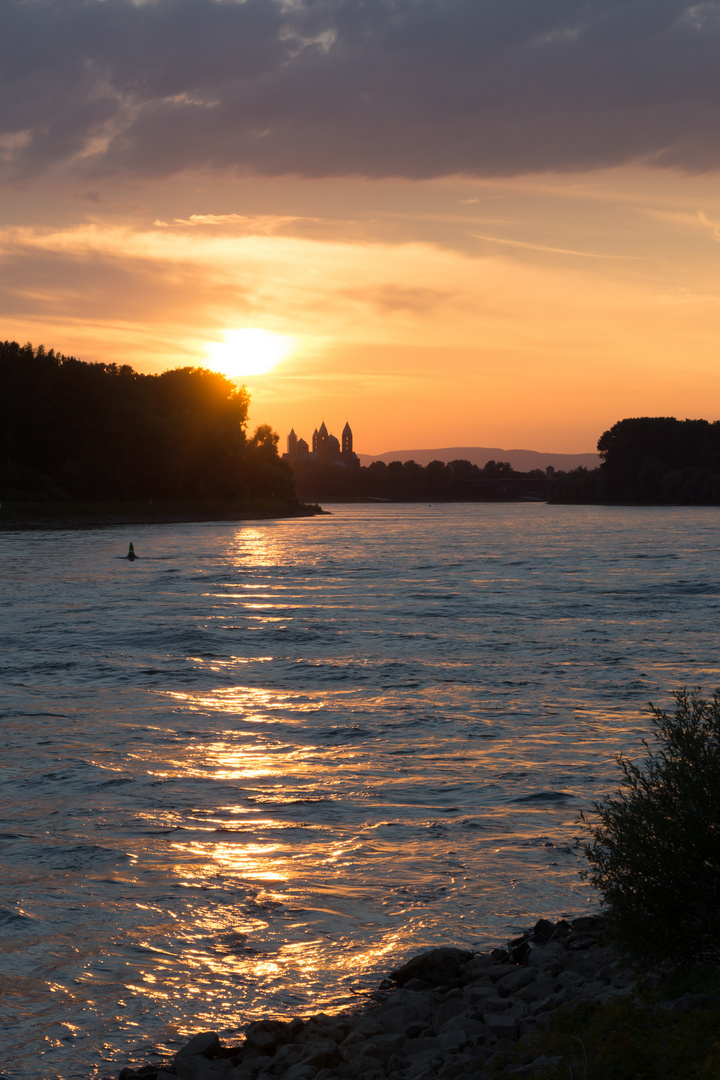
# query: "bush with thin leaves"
654,851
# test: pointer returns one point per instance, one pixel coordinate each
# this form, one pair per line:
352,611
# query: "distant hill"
522,460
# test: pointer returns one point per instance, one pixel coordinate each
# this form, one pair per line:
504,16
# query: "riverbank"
446,1014
71,515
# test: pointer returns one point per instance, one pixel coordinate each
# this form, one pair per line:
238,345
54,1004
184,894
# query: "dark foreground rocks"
442,1015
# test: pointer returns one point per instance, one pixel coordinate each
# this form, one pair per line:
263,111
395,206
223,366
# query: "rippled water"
253,769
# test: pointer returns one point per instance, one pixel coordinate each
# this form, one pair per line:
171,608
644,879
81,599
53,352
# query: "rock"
290,1054
540,1064
434,967
543,930
459,1065
542,988
448,1009
250,1067
569,978
206,1043
364,1030
323,1027
323,1054
498,971
547,955
452,1041
477,995
495,1004
473,1030
267,1035
521,950
424,1067
586,963
588,924
424,1045
516,980
563,996
383,1047
198,1067
475,968
475,976
579,942
300,1072
588,990
401,1017
504,1025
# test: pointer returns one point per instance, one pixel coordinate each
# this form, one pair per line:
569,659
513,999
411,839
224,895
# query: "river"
250,771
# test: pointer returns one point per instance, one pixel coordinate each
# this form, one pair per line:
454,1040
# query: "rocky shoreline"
445,1014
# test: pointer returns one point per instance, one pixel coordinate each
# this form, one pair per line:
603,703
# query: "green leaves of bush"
654,851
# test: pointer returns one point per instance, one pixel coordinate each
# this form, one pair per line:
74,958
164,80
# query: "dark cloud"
410,88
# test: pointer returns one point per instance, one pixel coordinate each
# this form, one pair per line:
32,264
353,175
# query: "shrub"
654,851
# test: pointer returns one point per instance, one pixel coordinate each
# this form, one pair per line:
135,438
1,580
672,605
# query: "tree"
654,851
71,430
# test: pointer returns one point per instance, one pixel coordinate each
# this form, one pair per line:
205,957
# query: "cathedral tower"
347,439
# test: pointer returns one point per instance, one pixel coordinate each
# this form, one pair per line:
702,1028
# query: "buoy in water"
131,553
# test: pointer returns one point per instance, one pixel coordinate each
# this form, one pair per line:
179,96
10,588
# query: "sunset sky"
473,222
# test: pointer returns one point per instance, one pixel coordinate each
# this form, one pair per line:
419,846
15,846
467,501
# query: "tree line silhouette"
651,460
456,481
71,430
77,431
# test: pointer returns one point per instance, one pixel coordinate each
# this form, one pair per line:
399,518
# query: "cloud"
547,248
318,88
394,298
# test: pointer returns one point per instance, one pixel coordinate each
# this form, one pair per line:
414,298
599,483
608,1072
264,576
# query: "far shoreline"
58,516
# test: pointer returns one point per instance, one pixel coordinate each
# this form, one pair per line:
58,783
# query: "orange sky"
526,311
529,313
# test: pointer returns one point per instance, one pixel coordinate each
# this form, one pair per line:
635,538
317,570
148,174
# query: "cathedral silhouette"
326,448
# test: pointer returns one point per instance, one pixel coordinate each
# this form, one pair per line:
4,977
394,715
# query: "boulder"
542,988
516,980
250,1067
424,1045
504,1025
322,1054
477,995
452,1041
448,1009
546,956
435,967
588,924
543,930
473,1030
197,1067
206,1043
300,1072
393,1017
496,972
266,1035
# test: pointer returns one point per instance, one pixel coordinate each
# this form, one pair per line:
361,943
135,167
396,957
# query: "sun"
248,352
